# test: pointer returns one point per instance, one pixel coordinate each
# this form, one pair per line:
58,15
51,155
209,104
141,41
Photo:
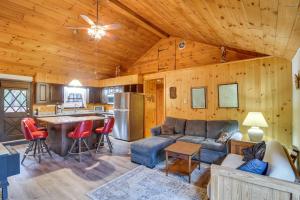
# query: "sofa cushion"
279,165
151,145
173,137
233,161
211,144
192,139
167,129
178,124
256,151
255,166
195,128
210,156
223,137
214,128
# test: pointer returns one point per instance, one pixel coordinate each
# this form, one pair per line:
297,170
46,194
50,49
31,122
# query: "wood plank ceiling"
33,38
266,26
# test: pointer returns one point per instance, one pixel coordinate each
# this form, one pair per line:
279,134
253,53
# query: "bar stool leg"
46,147
28,149
109,143
35,145
71,150
99,142
87,146
39,149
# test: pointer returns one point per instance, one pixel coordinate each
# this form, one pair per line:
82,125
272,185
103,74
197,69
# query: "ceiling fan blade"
78,28
88,20
111,26
111,36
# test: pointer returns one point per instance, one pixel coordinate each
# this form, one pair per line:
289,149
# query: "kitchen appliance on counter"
129,116
99,109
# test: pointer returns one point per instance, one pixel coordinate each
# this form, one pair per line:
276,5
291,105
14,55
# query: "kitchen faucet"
75,108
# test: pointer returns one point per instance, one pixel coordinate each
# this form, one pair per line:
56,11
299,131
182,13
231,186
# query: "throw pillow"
256,151
167,130
255,166
224,136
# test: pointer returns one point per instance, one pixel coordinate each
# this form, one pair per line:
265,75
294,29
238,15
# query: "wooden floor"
56,178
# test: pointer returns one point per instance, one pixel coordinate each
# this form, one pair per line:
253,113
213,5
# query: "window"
75,97
15,100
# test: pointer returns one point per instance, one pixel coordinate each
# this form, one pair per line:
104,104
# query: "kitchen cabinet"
56,93
109,92
49,93
41,93
94,95
134,88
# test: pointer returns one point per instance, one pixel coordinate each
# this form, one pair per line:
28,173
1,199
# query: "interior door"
14,105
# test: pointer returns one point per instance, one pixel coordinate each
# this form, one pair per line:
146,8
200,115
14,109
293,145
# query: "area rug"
198,176
143,183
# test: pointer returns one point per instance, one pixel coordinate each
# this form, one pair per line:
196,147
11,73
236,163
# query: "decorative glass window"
15,100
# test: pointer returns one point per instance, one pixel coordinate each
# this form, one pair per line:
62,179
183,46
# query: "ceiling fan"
97,30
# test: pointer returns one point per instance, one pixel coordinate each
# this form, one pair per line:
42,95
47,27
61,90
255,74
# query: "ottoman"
149,151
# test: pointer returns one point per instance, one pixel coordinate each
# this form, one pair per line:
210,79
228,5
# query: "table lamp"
255,120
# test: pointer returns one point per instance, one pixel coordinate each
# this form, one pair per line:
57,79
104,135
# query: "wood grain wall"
265,85
166,55
296,103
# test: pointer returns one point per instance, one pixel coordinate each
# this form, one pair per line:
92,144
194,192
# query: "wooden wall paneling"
264,85
166,55
150,106
121,80
160,101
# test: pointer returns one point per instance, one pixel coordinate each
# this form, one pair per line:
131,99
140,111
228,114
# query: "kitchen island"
59,127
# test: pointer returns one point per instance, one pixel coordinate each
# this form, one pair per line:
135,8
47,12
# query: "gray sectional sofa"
204,133
150,151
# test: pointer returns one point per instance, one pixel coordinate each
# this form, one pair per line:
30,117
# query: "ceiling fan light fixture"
96,32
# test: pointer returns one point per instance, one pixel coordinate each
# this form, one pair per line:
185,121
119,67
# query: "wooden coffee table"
184,152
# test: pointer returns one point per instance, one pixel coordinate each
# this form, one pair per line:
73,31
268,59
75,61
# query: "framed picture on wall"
228,95
198,96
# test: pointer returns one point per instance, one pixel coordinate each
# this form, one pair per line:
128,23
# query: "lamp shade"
255,119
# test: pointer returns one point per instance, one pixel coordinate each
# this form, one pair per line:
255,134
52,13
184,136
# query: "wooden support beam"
121,8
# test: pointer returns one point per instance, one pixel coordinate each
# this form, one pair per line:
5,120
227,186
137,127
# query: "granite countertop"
68,119
3,150
70,113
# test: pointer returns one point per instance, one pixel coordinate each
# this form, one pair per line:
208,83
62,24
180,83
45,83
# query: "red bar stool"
35,124
35,137
104,132
82,131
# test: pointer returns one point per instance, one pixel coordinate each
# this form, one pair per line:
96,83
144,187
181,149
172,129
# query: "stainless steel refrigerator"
129,116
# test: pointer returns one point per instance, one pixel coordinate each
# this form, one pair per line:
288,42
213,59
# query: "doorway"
154,104
14,105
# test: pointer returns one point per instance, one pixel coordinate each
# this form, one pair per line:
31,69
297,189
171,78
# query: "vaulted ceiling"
265,26
33,35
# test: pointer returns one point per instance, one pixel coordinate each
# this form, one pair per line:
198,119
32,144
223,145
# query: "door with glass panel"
15,105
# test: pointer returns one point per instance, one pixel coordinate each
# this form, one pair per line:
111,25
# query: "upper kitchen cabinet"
95,95
134,88
42,93
49,93
56,93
